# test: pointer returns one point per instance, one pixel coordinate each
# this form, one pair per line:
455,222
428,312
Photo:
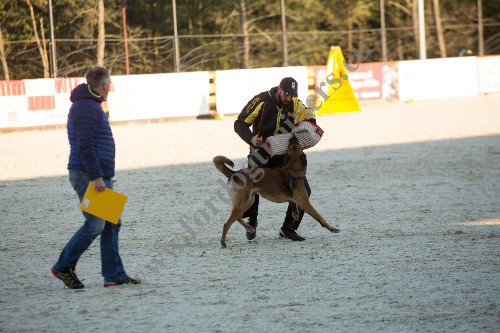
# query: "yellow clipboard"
108,204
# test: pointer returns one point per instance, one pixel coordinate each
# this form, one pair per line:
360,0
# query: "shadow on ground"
417,251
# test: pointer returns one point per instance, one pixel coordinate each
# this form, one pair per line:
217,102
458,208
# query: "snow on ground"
415,189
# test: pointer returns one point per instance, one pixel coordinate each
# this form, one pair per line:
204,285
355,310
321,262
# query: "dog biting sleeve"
307,133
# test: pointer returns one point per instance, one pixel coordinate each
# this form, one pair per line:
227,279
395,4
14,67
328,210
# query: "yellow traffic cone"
339,95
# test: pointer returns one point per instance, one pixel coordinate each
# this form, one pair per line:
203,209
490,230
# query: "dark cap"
289,86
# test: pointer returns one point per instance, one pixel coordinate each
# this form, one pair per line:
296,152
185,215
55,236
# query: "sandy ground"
415,189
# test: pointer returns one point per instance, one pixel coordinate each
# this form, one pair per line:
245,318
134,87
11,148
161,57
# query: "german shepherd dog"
282,184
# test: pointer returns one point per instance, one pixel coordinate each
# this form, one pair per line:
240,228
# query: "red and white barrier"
12,101
370,81
43,102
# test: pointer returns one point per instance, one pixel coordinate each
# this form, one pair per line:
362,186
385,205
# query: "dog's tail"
220,163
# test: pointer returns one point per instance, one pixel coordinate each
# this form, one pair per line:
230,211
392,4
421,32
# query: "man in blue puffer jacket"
92,158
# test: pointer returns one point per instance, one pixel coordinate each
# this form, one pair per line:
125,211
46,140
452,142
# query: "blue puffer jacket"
92,147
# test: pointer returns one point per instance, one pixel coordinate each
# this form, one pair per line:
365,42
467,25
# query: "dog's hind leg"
240,199
232,218
236,215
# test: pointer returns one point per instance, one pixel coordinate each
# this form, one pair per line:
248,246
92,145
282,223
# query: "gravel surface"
414,188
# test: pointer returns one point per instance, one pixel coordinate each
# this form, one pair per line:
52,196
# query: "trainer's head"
287,90
99,80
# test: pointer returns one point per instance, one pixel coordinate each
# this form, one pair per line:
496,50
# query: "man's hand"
256,140
99,185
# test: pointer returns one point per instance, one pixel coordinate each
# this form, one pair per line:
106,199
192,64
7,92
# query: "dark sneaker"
127,280
68,277
252,234
291,234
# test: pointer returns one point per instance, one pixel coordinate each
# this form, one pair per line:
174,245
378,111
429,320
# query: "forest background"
139,37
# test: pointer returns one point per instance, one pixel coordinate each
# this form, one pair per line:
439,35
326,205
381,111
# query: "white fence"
44,102
489,74
234,88
159,96
437,78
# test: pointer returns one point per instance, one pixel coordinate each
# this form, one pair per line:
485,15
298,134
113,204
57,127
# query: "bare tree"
244,31
3,58
44,42
41,48
408,11
101,35
357,12
439,29
349,35
414,15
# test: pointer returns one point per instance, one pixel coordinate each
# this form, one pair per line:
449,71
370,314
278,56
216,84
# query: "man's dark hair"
96,76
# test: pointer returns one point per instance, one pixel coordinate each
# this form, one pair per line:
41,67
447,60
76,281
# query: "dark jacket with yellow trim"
267,117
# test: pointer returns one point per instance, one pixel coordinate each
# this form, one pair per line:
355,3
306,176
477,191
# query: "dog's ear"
303,159
286,158
293,140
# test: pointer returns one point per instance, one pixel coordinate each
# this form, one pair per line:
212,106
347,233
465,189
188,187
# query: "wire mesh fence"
254,50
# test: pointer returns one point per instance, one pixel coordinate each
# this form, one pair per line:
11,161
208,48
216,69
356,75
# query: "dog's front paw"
332,229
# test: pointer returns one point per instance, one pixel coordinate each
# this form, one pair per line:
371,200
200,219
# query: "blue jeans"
111,263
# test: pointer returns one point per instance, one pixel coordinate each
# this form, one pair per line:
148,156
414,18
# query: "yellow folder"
108,204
